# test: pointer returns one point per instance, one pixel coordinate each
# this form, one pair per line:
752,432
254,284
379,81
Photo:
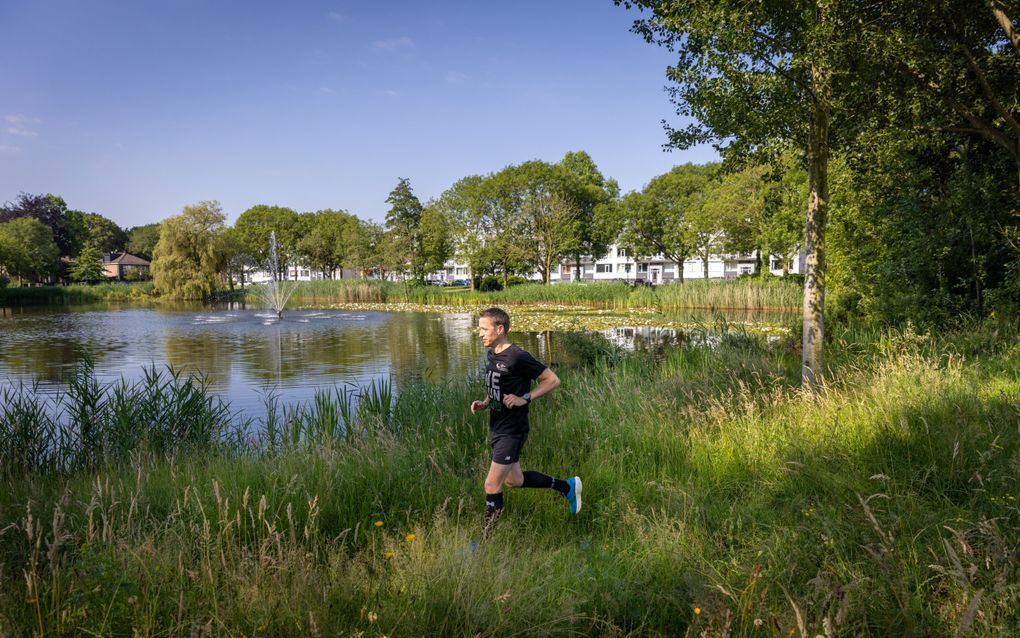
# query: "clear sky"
134,109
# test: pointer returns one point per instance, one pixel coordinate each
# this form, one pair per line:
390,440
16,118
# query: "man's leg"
498,474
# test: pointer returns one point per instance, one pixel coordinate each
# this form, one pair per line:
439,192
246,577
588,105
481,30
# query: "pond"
247,355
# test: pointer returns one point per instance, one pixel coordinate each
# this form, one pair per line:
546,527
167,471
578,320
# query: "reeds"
92,424
18,296
745,294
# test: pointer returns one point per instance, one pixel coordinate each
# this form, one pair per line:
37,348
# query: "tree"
961,62
363,247
758,78
553,223
436,239
88,266
463,205
785,197
254,225
104,234
403,225
52,211
190,252
660,220
592,196
326,241
27,249
143,239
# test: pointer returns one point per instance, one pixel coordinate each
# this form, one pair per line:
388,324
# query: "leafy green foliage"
88,266
142,240
27,249
190,253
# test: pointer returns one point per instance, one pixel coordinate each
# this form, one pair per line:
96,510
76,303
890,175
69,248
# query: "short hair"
498,317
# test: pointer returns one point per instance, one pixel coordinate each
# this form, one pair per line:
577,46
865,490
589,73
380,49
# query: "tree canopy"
190,252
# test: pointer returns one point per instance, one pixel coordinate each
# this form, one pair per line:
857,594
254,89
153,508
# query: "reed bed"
748,294
719,501
37,295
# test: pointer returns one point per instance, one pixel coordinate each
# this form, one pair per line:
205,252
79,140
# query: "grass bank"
718,502
751,294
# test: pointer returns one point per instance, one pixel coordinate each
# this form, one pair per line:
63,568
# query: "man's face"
488,331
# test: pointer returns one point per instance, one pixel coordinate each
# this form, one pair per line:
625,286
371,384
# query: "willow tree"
758,78
189,255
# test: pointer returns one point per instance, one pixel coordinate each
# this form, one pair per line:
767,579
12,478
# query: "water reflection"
246,354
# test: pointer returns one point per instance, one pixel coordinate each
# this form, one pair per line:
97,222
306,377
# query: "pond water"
245,355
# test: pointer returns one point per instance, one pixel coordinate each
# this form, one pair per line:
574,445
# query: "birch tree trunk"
814,235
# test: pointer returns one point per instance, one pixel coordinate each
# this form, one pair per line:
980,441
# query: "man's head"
493,325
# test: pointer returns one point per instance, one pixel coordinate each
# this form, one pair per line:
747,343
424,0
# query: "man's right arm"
478,406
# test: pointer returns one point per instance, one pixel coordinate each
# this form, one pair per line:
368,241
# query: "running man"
509,371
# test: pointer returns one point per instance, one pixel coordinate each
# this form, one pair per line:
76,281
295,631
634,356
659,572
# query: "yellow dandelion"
697,610
410,537
378,523
388,554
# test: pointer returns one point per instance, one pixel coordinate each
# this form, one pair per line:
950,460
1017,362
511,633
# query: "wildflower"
372,616
378,523
388,554
260,628
410,537
697,610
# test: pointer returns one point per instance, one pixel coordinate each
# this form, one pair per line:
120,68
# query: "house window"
621,252
304,273
565,269
642,268
462,271
746,270
603,267
623,267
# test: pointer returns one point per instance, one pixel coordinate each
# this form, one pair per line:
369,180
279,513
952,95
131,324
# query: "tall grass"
93,424
144,291
751,294
719,501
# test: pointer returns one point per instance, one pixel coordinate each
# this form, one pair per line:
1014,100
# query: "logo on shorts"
507,458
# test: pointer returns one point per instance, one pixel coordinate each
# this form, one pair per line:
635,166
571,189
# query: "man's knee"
492,487
514,481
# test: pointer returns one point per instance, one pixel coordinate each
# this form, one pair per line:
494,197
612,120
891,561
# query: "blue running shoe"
574,494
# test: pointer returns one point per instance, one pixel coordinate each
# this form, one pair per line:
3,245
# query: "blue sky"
135,109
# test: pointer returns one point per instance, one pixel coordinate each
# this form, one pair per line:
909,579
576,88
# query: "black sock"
493,506
537,479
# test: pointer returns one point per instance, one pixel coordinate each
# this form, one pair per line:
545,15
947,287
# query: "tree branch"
986,130
987,90
1007,25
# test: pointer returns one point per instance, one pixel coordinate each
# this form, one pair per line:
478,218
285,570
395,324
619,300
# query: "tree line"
524,219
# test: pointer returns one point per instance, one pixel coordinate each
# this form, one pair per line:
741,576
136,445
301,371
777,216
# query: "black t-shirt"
509,372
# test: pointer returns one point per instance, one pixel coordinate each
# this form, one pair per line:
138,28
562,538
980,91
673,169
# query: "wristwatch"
527,397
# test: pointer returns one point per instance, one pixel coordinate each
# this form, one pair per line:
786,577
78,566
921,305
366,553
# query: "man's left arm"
547,382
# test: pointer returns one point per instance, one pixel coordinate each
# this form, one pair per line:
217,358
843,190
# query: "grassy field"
718,501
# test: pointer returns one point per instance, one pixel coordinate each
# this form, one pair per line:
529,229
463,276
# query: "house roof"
125,259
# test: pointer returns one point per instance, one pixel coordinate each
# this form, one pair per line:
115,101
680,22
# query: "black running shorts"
506,448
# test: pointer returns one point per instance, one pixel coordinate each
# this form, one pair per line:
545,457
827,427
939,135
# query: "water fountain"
275,293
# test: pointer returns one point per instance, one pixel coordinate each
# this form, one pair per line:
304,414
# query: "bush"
514,280
490,283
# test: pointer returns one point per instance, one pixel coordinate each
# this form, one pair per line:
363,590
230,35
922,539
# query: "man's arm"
547,382
478,406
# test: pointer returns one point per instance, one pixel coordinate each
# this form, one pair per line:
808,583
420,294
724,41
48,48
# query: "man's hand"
478,406
513,401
